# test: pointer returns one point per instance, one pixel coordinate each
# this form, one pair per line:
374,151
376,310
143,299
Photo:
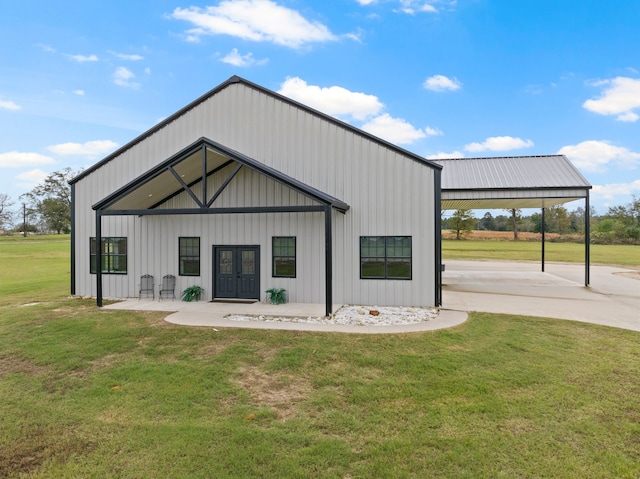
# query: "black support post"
99,258
587,241
542,228
328,253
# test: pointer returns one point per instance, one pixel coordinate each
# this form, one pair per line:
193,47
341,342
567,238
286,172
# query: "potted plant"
277,295
192,293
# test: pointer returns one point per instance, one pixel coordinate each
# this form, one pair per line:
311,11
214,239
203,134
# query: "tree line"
619,225
44,209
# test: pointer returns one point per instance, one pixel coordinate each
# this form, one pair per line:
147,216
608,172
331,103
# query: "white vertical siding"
389,194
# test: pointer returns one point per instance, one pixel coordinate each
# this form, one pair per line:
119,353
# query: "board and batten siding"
389,193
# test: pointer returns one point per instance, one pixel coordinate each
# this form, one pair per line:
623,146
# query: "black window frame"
386,258
275,257
108,257
183,257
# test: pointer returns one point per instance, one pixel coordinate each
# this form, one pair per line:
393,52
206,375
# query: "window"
284,257
189,256
114,255
385,257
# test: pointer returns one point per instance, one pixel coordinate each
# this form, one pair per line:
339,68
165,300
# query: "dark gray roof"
513,172
510,182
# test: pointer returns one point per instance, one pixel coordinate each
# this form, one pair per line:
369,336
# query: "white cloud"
124,56
16,159
441,83
32,178
499,143
433,131
83,58
395,130
234,58
89,148
46,48
620,97
255,20
613,190
123,76
443,156
78,92
594,155
366,2
335,100
9,105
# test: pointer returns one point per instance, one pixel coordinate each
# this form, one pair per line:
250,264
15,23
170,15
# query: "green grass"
625,255
90,393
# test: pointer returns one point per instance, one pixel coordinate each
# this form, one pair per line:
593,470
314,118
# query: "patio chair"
147,286
168,286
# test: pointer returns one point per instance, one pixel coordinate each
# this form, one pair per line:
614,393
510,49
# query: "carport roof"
510,182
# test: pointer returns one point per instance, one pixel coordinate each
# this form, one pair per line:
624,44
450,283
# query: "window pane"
372,246
372,268
248,262
226,262
189,256
284,267
399,268
190,267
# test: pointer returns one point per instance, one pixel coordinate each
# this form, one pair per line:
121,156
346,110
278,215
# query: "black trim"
236,79
385,258
216,211
302,188
328,261
587,241
274,257
99,260
99,246
180,256
437,215
73,239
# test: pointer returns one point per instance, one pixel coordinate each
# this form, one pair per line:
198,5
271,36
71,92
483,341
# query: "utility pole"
24,220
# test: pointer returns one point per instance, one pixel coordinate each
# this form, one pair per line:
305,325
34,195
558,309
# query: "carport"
516,182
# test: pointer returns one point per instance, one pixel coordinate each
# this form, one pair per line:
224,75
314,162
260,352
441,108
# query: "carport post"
542,230
99,258
587,240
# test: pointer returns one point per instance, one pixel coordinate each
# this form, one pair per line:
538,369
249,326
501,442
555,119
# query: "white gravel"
355,315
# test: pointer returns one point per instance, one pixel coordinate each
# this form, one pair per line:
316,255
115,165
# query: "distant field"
624,255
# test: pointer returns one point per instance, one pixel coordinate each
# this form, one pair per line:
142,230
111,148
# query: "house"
244,190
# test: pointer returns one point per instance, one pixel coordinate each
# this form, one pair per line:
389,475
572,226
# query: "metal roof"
510,182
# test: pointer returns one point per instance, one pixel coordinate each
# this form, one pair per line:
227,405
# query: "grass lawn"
624,255
89,393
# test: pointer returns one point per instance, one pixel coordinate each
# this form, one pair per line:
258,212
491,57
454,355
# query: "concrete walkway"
612,299
203,313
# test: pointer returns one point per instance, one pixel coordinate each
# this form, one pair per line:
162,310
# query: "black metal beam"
73,239
224,185
328,261
204,174
217,211
542,229
185,187
99,258
193,183
437,258
587,241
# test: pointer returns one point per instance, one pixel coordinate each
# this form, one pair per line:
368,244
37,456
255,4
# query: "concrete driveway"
612,299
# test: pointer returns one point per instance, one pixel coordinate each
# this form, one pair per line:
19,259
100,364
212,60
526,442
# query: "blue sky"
441,78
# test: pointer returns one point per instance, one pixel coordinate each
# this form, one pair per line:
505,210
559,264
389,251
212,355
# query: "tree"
487,222
6,216
462,222
52,200
516,215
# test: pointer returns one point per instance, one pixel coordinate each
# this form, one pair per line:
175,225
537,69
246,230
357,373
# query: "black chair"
147,286
168,286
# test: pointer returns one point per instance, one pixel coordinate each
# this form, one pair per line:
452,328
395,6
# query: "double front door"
236,272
